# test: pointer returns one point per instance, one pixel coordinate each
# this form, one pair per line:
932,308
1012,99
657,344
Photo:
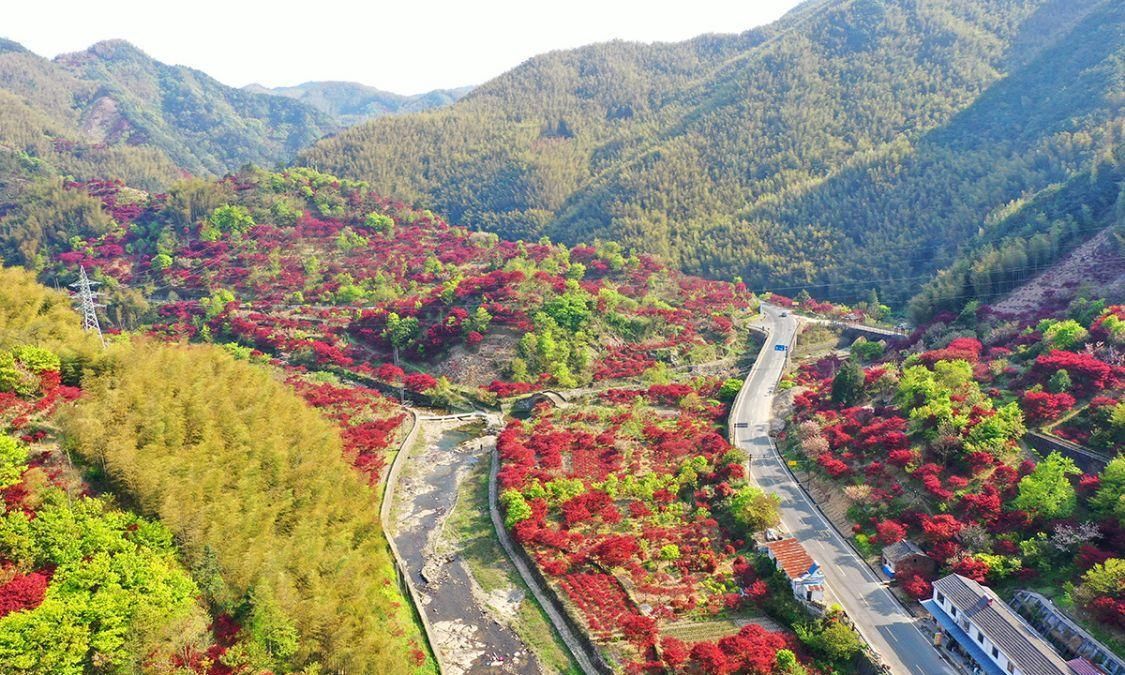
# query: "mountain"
351,103
112,110
852,144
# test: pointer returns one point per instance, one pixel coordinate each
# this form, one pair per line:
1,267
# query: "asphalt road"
880,619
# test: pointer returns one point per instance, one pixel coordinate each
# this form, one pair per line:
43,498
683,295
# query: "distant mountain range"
113,111
853,144
351,103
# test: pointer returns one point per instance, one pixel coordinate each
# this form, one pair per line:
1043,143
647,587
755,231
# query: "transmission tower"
87,298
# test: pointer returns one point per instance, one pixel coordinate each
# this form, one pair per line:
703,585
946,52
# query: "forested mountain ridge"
856,142
351,103
112,110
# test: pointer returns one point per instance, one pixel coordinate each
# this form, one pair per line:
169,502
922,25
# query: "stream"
467,631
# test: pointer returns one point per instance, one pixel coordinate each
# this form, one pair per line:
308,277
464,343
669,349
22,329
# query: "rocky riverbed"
470,626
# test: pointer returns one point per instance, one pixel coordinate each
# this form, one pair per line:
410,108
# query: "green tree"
847,385
1107,578
1063,334
786,663
1110,497
13,461
263,486
571,310
867,350
116,595
214,304
401,331
995,433
833,639
379,222
730,389
226,219
161,262
1059,382
1046,491
516,508
753,509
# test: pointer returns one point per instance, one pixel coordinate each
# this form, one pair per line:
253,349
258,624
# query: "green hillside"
852,144
351,103
112,111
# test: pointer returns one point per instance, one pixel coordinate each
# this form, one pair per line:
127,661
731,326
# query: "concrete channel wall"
581,648
390,483
1087,460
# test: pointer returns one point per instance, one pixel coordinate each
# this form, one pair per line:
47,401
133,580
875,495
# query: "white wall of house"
987,646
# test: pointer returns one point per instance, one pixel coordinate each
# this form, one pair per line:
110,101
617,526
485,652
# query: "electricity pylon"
87,298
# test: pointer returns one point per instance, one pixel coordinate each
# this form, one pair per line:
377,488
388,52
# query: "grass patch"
471,526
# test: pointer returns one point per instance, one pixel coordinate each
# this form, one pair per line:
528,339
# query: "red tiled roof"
1084,667
791,557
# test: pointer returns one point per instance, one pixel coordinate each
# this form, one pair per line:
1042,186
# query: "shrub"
753,509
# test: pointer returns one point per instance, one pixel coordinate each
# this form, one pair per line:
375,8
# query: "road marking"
800,506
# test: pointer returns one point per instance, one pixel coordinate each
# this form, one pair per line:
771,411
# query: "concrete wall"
404,581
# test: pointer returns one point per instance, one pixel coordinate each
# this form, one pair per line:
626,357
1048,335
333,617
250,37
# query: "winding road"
878,616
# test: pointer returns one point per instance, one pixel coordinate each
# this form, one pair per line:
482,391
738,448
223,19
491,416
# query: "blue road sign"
779,348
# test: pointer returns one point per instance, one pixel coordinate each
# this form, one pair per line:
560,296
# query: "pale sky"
408,46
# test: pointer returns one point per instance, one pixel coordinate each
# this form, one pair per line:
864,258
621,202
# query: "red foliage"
972,568
901,458
616,550
389,372
675,652
640,630
832,465
709,659
1042,406
419,382
917,587
965,349
889,532
941,527
508,389
1088,556
1087,373
23,591
984,505
1109,610
600,599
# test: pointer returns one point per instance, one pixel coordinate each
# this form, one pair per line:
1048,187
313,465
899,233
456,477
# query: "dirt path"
469,626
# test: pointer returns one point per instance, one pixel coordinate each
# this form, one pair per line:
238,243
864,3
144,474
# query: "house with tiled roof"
988,631
804,574
904,558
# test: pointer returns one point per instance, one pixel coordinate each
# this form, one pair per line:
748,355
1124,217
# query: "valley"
794,351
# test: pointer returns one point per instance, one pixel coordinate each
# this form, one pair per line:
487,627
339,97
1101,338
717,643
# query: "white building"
990,632
804,574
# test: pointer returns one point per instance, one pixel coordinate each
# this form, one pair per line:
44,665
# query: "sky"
408,47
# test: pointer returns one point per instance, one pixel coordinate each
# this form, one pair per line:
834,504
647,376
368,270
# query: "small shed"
904,558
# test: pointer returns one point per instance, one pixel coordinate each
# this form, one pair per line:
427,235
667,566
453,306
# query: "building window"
940,598
954,609
1011,667
980,637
